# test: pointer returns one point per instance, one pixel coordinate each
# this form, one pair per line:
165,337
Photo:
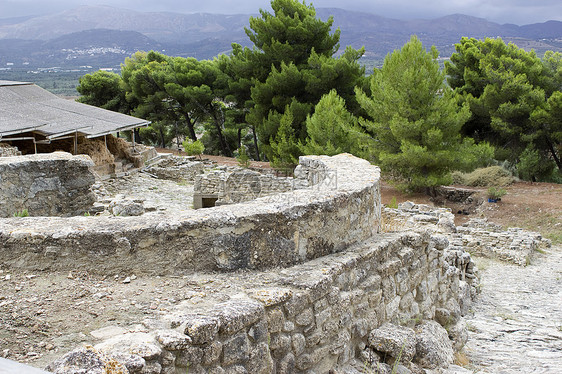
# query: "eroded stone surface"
517,318
55,184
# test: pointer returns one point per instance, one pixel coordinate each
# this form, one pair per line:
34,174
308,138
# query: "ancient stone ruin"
317,276
55,184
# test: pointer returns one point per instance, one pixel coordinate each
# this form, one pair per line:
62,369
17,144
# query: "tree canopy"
415,121
295,93
508,91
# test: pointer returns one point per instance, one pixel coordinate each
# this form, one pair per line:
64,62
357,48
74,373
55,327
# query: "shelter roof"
25,107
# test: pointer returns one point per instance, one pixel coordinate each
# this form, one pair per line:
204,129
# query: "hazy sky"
502,11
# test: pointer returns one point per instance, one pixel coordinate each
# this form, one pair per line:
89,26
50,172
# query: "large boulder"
396,341
433,347
86,361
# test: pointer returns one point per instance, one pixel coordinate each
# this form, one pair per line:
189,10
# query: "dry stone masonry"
236,185
313,280
290,228
333,312
56,184
478,236
8,151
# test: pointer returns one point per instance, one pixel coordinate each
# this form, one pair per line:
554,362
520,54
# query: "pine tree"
415,121
331,129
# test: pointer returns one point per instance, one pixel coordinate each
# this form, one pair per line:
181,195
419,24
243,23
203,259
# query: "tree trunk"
163,144
256,144
225,149
191,128
554,155
239,137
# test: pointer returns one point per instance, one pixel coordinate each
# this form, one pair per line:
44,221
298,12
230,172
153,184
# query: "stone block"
275,320
298,343
202,330
433,347
286,365
394,340
305,318
172,340
260,361
236,350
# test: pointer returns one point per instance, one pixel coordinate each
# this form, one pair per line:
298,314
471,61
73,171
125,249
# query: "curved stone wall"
341,208
317,317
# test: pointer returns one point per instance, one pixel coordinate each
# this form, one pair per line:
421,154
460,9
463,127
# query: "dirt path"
516,326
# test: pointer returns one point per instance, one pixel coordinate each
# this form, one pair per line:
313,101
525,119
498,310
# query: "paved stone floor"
516,325
160,196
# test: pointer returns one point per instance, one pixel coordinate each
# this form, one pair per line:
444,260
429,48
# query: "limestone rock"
458,333
54,184
433,347
86,361
396,341
126,208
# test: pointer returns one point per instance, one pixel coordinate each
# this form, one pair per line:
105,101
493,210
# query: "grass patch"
461,359
21,213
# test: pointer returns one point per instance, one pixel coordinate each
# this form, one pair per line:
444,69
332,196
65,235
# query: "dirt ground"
44,315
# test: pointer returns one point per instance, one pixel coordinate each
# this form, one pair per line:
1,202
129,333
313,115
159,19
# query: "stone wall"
309,318
478,236
176,168
278,230
236,185
8,151
56,184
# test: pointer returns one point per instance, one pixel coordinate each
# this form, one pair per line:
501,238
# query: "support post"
133,138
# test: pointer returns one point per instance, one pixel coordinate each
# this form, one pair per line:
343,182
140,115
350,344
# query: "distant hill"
104,36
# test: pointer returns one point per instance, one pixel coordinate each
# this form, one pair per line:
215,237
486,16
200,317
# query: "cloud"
502,11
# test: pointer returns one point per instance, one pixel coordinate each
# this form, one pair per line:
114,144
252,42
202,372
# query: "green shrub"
458,177
486,177
243,158
193,148
533,167
496,193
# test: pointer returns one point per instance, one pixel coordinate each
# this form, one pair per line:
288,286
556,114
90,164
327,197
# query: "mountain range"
103,36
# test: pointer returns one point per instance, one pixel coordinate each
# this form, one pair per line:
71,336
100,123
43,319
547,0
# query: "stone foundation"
309,318
278,230
56,184
477,236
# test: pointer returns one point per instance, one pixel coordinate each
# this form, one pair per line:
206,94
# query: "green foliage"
193,148
415,121
243,158
21,213
331,129
496,193
514,97
284,147
290,34
531,166
485,177
103,89
157,134
393,203
177,93
291,65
